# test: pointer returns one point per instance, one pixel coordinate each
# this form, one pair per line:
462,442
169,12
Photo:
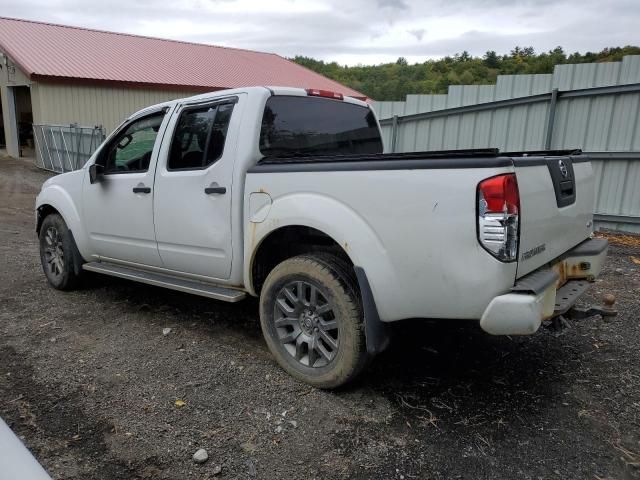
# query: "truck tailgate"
556,207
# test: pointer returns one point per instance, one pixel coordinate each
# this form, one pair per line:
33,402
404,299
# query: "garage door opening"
24,119
3,142
17,121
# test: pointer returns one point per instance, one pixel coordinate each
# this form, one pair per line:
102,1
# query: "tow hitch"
606,310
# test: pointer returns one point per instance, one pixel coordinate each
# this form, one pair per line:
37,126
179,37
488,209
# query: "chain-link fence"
62,148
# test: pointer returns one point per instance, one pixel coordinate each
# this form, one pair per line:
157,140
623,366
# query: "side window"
199,137
130,151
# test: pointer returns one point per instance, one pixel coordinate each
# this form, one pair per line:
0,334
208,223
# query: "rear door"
556,207
193,189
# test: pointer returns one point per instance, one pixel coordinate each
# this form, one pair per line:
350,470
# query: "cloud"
418,33
397,4
359,31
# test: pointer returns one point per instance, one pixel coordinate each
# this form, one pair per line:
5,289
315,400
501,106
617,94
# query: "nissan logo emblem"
563,169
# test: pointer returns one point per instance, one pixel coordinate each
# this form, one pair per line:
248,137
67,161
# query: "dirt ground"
89,381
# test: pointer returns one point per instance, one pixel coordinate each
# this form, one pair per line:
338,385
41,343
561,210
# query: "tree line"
393,81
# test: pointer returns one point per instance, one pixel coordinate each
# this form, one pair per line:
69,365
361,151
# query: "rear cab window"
305,126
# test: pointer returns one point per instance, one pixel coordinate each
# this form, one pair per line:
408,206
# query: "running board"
167,281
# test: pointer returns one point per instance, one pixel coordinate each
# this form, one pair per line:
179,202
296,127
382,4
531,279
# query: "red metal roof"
64,52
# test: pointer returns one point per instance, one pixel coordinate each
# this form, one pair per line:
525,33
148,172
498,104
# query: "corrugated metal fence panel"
607,122
519,128
618,190
564,77
618,194
630,69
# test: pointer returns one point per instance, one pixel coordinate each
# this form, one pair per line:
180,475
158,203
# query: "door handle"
214,188
141,189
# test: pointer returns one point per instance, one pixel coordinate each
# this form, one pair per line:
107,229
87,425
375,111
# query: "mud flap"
376,331
77,257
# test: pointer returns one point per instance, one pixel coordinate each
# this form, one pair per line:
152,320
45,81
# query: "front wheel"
312,320
57,253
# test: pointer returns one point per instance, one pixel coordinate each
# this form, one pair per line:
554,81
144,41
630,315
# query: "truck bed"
419,219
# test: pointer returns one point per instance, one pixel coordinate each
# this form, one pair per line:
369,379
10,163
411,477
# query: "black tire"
58,254
320,342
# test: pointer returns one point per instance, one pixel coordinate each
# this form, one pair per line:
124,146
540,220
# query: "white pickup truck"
285,194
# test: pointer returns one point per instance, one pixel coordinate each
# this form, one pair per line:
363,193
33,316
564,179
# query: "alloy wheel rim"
53,252
306,324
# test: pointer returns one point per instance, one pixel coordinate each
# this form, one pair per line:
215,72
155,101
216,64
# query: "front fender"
58,196
345,226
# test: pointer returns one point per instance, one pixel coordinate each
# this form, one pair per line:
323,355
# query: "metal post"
551,118
72,165
93,132
12,137
394,133
55,147
37,141
78,131
46,145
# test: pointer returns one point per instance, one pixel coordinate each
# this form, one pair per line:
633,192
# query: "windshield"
293,126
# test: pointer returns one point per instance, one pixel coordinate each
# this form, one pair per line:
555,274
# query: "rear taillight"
314,92
498,215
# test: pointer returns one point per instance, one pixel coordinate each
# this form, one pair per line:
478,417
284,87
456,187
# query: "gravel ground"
89,381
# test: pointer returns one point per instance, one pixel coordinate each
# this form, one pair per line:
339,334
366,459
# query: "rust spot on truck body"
575,270
570,269
561,270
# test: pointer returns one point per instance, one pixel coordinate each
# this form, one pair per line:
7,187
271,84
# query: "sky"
357,31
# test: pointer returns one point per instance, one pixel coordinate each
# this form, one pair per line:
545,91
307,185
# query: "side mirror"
95,173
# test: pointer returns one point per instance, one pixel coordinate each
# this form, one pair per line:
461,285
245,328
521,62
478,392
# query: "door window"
199,137
130,151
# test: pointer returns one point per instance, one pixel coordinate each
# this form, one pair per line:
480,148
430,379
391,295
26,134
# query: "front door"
193,190
118,209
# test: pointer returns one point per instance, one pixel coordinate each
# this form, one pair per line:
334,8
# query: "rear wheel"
312,320
57,253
